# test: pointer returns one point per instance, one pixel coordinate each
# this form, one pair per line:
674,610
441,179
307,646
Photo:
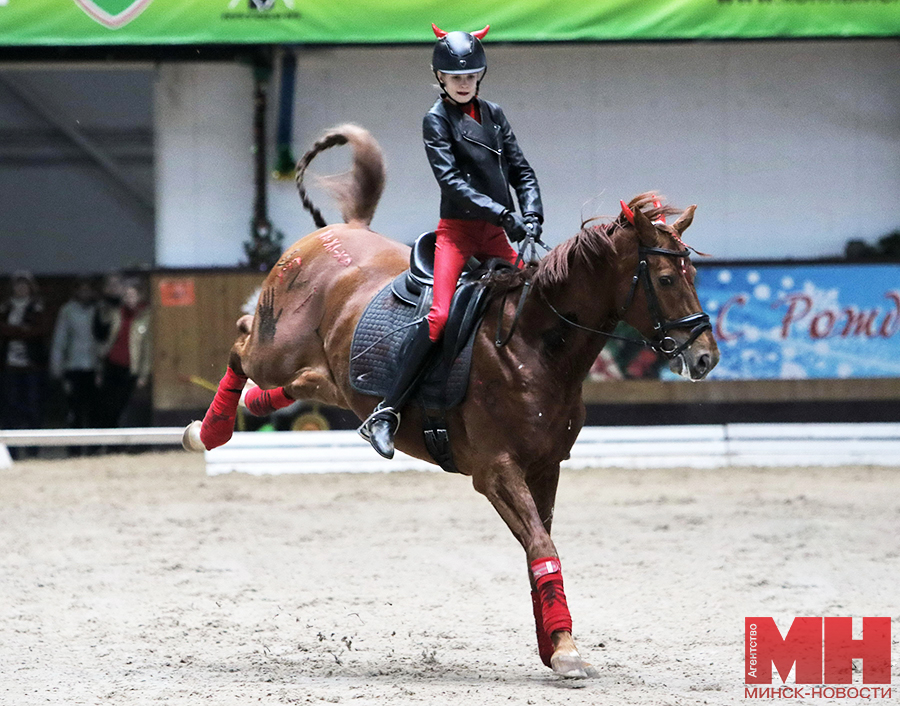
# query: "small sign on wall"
177,292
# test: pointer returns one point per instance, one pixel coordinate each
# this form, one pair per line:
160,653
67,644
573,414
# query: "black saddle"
375,350
421,269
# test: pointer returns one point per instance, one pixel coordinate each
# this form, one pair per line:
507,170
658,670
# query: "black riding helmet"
459,53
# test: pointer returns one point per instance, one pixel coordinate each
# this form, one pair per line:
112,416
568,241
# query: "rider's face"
460,87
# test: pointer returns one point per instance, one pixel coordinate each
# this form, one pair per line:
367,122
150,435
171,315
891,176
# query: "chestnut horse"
523,410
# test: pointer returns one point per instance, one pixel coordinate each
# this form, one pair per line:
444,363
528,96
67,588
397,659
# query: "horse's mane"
592,245
358,190
595,243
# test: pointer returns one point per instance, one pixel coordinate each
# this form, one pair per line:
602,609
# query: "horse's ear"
645,229
684,220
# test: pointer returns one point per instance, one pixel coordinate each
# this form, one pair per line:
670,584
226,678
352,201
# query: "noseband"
661,342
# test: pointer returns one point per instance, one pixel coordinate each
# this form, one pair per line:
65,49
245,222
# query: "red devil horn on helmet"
629,214
481,32
438,32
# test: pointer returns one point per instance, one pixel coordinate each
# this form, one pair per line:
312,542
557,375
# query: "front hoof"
190,440
572,666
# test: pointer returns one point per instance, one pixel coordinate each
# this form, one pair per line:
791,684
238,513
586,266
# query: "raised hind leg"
504,485
311,383
218,425
267,366
218,422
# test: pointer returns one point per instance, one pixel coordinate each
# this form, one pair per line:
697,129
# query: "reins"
626,339
529,242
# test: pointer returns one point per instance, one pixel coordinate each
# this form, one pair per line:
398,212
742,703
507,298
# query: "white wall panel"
789,148
204,166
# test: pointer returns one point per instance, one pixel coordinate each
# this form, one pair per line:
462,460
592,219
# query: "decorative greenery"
888,248
284,163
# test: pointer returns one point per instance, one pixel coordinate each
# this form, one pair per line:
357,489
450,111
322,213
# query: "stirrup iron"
388,414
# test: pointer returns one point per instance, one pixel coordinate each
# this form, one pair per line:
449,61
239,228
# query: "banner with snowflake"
804,321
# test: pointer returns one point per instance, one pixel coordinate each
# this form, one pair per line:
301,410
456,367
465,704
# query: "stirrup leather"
388,414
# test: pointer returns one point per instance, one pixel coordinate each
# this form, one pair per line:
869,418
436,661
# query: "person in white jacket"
74,361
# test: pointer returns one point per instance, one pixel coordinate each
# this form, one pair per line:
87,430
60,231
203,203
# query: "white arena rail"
149,436
698,446
129,436
262,453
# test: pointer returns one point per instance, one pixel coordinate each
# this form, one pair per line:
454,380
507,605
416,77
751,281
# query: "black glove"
533,224
514,226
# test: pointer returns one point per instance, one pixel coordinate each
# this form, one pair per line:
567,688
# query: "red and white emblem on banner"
112,15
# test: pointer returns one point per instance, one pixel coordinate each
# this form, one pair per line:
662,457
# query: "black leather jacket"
476,164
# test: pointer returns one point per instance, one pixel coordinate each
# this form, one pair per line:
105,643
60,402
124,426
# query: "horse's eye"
666,280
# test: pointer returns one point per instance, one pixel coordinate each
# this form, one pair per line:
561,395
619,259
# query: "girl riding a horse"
475,158
519,420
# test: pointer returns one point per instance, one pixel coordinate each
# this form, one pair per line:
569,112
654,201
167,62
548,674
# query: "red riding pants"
457,241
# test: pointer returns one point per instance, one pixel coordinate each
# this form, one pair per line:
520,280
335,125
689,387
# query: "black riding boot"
380,427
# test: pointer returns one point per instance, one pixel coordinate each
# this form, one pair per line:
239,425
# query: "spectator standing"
23,354
125,355
73,355
110,300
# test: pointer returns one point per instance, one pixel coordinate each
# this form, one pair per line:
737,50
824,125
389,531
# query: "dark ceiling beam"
35,103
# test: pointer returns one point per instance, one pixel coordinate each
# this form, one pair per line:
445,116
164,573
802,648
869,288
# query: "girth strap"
437,440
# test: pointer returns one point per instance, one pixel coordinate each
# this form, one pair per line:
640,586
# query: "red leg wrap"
545,644
547,574
218,424
262,402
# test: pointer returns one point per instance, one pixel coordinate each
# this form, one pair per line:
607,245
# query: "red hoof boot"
218,424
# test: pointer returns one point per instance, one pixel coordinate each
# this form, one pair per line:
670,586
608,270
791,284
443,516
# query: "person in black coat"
23,356
478,163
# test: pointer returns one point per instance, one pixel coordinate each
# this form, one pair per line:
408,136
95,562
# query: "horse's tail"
358,190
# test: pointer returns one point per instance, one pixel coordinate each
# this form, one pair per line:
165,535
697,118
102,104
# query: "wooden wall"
194,315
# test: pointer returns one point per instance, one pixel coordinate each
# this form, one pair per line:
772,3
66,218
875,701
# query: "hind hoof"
247,387
190,440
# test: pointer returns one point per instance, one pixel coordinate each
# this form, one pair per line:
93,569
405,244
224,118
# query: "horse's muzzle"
697,360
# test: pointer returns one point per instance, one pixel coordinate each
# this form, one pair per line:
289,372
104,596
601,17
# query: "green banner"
106,22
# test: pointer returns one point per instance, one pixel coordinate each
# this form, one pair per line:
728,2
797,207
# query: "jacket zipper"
487,147
499,154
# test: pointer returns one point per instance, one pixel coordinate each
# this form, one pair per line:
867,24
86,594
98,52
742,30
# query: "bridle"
661,342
